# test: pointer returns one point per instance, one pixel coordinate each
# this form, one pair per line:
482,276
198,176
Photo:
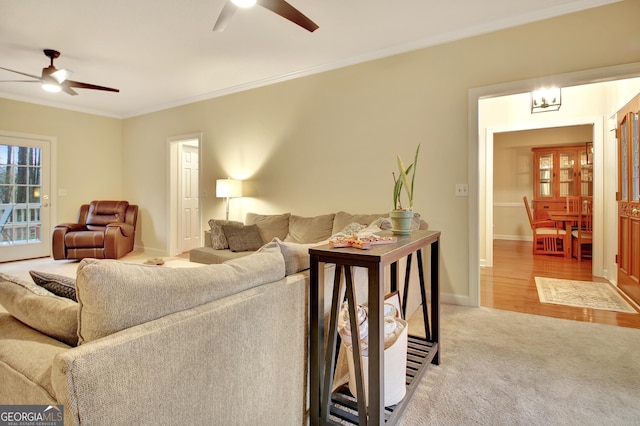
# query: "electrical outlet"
462,190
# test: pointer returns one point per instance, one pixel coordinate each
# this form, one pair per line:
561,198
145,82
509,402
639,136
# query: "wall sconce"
545,100
228,188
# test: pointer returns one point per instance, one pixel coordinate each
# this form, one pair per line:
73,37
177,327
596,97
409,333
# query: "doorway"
184,194
477,158
25,200
522,181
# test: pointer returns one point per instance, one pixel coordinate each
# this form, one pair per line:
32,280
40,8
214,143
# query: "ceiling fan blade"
227,12
22,73
289,12
79,85
20,81
68,90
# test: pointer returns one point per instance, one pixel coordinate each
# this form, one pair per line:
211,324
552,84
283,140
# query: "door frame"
173,191
51,142
598,182
595,75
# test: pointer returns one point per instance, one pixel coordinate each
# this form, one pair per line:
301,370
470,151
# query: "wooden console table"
327,406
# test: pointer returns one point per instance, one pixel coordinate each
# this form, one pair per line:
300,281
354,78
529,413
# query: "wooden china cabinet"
560,171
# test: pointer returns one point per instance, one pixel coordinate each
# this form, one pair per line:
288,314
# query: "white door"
25,175
189,213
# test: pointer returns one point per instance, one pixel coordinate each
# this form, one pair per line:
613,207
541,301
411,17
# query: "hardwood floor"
509,285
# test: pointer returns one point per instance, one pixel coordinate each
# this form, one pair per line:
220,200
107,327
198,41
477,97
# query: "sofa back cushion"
306,230
114,295
40,309
270,226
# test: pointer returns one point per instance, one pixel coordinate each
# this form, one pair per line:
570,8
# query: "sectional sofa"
214,344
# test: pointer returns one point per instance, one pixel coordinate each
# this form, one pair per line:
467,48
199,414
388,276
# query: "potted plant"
401,215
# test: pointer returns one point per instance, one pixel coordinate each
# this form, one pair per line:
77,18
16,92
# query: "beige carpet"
68,267
582,294
506,368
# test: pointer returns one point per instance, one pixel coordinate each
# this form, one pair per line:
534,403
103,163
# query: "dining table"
567,219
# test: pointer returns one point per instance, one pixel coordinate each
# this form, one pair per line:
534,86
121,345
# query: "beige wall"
328,141
89,152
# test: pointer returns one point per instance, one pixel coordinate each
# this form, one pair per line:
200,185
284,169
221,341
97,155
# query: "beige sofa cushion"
270,226
26,356
40,309
307,230
115,295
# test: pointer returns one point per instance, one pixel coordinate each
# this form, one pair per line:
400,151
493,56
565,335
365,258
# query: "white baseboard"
454,299
152,252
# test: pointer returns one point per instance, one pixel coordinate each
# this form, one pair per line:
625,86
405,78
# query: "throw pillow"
358,229
383,223
40,309
415,222
343,219
218,239
111,294
57,284
270,226
307,230
242,238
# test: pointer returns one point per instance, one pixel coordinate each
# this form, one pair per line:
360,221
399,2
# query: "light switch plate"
462,190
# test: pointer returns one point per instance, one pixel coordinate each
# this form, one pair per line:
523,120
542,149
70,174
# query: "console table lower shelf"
420,354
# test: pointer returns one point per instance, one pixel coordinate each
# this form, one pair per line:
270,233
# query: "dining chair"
582,237
573,206
547,239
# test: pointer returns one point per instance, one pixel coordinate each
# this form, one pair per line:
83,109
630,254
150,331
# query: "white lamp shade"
228,188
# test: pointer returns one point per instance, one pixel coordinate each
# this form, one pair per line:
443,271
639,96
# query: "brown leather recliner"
105,230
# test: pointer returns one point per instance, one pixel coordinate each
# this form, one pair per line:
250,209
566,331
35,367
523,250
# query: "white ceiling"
163,53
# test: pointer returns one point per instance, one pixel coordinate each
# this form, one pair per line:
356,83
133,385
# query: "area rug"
581,294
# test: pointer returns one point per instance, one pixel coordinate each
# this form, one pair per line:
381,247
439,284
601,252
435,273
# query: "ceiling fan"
55,80
279,7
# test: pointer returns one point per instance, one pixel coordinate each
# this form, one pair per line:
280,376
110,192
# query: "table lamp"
228,188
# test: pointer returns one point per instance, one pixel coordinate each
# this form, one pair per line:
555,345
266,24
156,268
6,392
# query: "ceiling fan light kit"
50,86
56,80
244,3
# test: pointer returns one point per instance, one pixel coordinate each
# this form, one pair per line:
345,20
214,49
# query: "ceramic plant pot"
401,220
